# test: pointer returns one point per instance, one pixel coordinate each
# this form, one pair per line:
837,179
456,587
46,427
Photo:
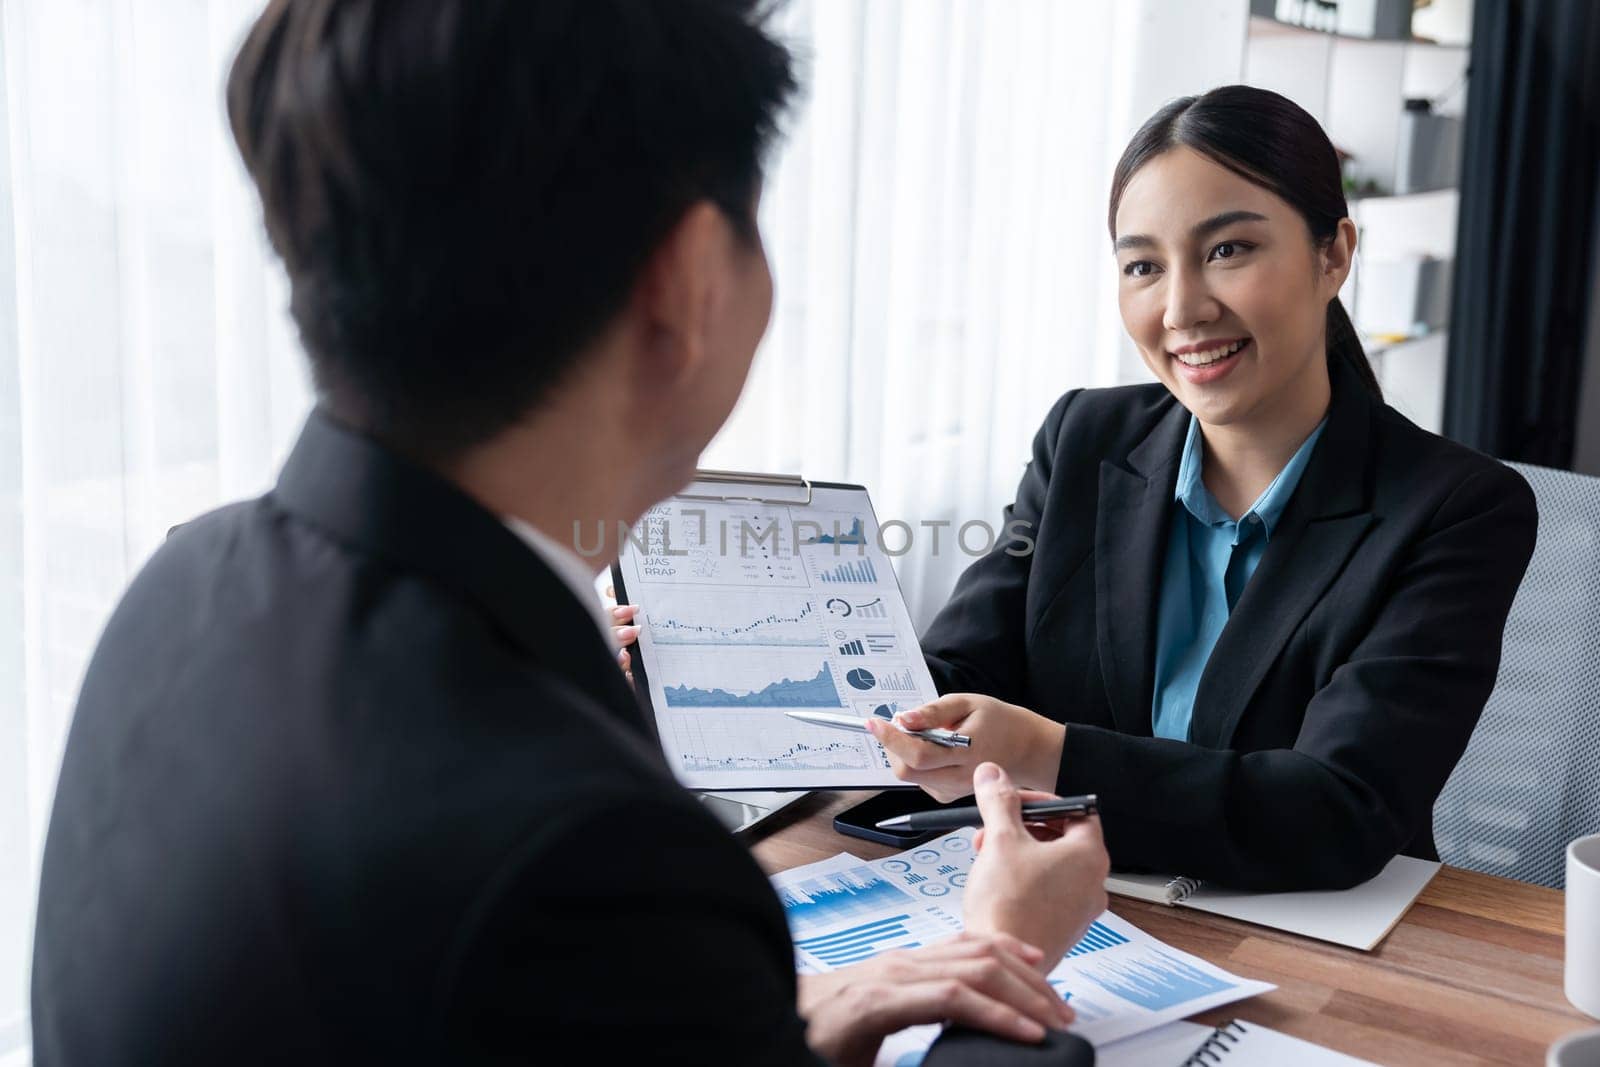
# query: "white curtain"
936,225
147,372
936,231
935,221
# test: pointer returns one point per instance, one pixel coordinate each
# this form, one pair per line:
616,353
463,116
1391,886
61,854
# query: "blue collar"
1267,509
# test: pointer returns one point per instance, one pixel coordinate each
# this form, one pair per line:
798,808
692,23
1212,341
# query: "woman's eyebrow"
1199,230
1227,218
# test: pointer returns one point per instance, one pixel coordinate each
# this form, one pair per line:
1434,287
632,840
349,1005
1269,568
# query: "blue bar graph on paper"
1157,982
1097,937
823,901
859,942
861,571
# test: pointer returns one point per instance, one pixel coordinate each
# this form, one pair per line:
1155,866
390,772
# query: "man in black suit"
353,777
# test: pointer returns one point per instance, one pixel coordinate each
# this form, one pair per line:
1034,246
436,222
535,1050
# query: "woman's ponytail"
1345,344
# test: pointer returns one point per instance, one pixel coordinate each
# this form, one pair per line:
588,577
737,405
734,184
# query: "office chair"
1530,779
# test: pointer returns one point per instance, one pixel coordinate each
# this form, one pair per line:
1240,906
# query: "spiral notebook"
1360,917
1241,1044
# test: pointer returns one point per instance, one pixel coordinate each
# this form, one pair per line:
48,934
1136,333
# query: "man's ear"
1337,256
676,293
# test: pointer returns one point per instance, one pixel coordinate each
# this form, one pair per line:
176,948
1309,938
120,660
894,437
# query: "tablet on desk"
761,595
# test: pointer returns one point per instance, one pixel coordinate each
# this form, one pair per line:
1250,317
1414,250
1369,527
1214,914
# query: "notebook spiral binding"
1179,889
1217,1046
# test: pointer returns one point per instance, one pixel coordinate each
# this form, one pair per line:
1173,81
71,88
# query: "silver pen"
938,736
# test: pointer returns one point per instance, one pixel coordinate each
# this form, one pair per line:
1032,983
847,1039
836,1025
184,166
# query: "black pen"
956,818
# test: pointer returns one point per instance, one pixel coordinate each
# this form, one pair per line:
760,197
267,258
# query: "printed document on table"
1120,980
750,609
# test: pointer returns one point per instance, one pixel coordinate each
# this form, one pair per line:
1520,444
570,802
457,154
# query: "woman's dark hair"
1271,141
464,191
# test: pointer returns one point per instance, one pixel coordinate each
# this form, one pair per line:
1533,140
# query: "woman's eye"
1229,249
1139,268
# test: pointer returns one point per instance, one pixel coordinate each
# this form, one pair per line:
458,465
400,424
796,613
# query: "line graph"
742,742
738,677
770,620
817,691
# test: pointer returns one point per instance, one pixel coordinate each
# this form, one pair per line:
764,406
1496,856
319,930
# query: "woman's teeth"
1211,355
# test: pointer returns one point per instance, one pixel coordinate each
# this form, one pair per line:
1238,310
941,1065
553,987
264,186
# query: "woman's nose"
1189,302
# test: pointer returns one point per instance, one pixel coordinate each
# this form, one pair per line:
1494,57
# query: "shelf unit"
1357,88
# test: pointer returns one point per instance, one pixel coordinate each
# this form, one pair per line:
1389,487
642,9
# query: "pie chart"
861,679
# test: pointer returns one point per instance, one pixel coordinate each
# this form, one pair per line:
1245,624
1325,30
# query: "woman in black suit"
1261,611
1257,610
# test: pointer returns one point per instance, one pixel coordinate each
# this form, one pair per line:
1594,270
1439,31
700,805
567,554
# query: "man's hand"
1026,743
1045,892
992,982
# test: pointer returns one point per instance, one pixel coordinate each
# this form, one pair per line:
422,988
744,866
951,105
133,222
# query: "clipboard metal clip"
748,478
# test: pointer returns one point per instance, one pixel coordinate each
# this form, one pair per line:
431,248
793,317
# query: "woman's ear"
1337,256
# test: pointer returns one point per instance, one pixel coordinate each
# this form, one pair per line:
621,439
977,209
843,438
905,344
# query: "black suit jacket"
354,779
1345,684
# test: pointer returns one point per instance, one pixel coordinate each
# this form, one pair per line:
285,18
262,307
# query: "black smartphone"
860,820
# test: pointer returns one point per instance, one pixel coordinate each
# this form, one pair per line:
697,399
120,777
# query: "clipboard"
812,619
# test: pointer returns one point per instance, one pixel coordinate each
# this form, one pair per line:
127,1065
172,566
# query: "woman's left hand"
1025,743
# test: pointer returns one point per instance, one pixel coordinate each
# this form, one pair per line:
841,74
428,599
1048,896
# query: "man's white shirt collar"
569,567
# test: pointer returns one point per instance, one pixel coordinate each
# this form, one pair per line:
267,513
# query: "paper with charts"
751,609
1120,980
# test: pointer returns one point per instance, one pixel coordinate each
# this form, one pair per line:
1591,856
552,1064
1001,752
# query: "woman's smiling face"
1223,290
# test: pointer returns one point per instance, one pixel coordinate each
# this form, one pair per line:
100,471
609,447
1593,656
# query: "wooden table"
1471,975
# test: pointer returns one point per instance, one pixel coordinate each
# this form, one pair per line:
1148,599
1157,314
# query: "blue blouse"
1209,559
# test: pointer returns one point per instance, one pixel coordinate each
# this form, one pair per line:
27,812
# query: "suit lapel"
1326,519
1129,540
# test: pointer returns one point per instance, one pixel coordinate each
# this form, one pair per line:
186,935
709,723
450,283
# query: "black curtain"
1530,176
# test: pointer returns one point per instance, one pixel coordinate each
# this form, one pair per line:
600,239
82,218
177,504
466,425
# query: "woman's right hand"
624,631
1044,892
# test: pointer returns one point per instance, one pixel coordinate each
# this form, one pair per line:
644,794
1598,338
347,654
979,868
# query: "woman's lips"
1217,368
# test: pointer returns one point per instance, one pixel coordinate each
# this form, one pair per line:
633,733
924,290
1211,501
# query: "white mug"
1581,1049
1583,924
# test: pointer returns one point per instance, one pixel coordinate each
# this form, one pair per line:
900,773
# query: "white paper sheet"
1120,980
751,609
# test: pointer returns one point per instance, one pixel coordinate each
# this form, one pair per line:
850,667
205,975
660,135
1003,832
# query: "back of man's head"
464,191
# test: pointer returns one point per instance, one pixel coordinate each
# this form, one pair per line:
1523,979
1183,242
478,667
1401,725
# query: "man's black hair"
464,191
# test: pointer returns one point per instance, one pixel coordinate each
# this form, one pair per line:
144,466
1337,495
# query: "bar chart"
860,572
892,680
1155,980
821,902
857,943
1098,936
848,914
